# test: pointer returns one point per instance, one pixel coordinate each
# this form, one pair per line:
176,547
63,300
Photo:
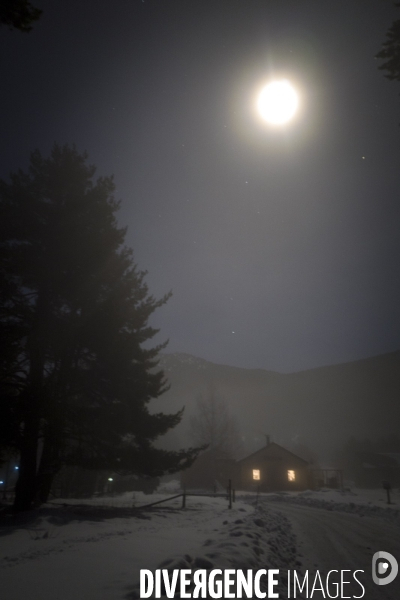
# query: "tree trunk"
49,466
25,489
44,484
30,405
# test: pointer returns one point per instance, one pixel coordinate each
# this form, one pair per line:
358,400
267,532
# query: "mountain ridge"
320,407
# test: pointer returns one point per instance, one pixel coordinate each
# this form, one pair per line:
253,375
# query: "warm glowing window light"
291,475
256,474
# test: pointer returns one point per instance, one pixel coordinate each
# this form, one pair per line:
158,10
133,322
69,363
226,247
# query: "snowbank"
76,552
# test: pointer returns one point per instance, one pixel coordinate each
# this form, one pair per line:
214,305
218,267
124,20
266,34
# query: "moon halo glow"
277,102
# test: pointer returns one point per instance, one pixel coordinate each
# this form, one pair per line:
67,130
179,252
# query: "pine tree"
390,51
18,14
76,379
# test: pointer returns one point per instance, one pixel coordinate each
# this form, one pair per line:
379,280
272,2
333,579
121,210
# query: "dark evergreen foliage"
76,380
18,14
390,52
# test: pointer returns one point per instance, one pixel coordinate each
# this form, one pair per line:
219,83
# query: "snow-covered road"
330,539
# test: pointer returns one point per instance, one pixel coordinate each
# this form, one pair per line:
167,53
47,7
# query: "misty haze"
199,299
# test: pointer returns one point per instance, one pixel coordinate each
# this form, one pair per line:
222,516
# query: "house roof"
265,449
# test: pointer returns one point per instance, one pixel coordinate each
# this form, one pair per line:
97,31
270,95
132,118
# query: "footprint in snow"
203,563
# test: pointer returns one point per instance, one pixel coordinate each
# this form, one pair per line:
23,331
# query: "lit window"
291,475
256,474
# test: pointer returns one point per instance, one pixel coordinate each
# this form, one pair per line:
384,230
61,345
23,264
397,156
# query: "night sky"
281,245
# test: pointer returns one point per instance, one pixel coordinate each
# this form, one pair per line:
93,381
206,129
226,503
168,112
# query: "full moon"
278,102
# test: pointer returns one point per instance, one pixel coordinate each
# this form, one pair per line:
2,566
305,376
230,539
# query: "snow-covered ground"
353,495
367,503
342,530
94,550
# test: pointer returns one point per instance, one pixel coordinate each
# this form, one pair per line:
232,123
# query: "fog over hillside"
320,408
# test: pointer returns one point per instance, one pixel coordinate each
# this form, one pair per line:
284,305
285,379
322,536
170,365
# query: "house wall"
210,472
273,465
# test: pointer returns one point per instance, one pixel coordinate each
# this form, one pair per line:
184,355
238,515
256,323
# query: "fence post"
230,493
386,486
184,499
233,495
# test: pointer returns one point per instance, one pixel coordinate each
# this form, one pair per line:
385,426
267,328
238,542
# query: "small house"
272,468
